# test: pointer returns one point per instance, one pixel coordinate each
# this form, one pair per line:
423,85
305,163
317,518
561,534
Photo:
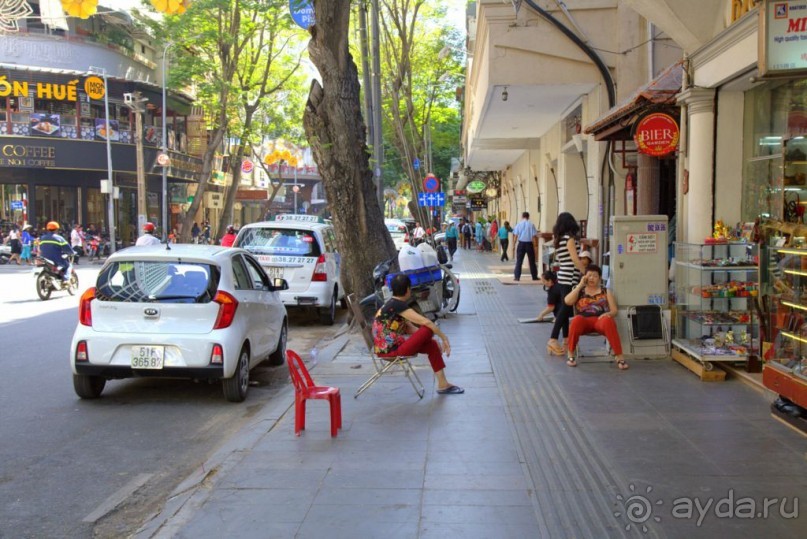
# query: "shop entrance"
58,204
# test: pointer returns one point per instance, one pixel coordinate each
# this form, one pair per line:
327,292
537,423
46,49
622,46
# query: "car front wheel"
235,387
88,387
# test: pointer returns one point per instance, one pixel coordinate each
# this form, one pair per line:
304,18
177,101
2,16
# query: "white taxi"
302,250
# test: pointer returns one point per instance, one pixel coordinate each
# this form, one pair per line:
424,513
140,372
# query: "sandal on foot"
621,365
451,390
571,362
554,350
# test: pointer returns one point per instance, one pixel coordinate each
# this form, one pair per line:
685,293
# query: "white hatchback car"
191,311
302,250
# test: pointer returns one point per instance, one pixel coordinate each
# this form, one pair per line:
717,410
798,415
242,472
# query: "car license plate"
274,273
147,357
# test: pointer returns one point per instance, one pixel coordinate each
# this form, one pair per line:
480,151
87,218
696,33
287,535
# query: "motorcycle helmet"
148,227
52,225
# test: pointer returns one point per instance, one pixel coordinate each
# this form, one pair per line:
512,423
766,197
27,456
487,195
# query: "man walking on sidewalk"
524,236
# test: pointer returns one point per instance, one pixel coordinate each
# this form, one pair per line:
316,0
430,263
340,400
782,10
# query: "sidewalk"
532,449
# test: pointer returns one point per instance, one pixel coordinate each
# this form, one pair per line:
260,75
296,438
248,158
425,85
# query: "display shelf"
784,284
716,285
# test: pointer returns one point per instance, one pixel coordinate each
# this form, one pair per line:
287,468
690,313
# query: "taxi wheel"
328,314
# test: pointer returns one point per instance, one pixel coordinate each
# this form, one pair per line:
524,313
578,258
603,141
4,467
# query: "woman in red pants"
398,330
596,309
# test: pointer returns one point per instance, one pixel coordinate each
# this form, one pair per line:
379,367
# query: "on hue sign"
657,134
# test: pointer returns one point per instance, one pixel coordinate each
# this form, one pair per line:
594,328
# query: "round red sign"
246,166
657,134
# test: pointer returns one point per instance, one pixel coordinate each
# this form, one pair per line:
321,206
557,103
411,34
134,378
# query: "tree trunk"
336,132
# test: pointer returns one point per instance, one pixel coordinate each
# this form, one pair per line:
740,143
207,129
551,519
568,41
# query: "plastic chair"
383,364
304,389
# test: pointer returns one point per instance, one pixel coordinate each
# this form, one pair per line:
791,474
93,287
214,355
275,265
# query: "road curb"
192,493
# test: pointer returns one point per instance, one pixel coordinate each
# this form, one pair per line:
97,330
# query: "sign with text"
302,12
478,202
641,243
783,38
656,134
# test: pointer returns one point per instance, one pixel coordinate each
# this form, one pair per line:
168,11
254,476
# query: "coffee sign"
656,134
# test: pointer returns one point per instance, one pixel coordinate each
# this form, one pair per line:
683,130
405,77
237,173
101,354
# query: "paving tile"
252,526
278,460
261,476
461,466
438,530
450,496
317,529
381,496
490,515
475,481
403,479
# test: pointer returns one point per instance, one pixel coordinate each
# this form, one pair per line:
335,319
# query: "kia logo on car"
151,311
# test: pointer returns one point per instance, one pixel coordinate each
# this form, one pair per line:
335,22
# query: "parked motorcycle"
433,297
5,254
49,278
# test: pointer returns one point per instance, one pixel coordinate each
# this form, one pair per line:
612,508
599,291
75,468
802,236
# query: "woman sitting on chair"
595,310
398,330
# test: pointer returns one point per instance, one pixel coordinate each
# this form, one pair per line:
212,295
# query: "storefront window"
775,124
56,204
95,208
13,204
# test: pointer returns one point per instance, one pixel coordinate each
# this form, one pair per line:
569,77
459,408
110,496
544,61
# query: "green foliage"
422,64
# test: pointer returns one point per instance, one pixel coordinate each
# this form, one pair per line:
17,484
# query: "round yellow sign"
94,86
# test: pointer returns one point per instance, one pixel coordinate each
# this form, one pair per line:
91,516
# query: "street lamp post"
165,151
111,203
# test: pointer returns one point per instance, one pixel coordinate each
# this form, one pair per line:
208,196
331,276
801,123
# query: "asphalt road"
73,468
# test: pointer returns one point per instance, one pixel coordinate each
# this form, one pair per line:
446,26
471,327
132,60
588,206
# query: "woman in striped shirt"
571,268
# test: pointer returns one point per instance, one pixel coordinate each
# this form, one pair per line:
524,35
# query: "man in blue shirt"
524,235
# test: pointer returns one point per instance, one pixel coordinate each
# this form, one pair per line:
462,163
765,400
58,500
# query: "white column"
700,150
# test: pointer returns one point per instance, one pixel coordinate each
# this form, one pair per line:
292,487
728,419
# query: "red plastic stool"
304,389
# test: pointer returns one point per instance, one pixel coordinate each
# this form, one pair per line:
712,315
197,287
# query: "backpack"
466,229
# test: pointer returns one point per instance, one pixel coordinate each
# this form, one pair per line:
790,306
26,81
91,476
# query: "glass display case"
784,285
714,288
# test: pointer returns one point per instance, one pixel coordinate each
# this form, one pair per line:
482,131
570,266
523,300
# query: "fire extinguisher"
630,194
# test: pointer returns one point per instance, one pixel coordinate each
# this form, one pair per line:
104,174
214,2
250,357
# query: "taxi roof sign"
297,218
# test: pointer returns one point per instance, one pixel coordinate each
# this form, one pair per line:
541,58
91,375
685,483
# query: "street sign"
16,204
302,12
431,199
94,87
431,184
416,164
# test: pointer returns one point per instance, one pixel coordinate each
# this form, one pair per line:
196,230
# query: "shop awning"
617,122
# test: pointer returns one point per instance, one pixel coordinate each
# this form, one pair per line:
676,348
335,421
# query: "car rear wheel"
88,387
235,387
279,355
328,314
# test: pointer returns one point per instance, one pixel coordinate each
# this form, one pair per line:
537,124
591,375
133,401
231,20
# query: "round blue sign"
431,184
302,11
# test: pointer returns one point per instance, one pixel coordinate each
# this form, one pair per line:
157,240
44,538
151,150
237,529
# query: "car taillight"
406,237
227,307
217,355
320,273
84,310
81,351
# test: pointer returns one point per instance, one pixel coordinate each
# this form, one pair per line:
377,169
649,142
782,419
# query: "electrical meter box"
638,264
638,277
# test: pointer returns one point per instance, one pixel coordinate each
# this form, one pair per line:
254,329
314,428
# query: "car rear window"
278,241
396,228
157,281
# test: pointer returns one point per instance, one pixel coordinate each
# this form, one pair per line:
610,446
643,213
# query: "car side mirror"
279,283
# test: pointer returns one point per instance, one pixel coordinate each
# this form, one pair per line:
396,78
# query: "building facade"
54,126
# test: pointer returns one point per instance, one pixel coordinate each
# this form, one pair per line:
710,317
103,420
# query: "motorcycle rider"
148,237
52,246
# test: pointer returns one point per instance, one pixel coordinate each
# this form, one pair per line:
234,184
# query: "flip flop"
451,390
